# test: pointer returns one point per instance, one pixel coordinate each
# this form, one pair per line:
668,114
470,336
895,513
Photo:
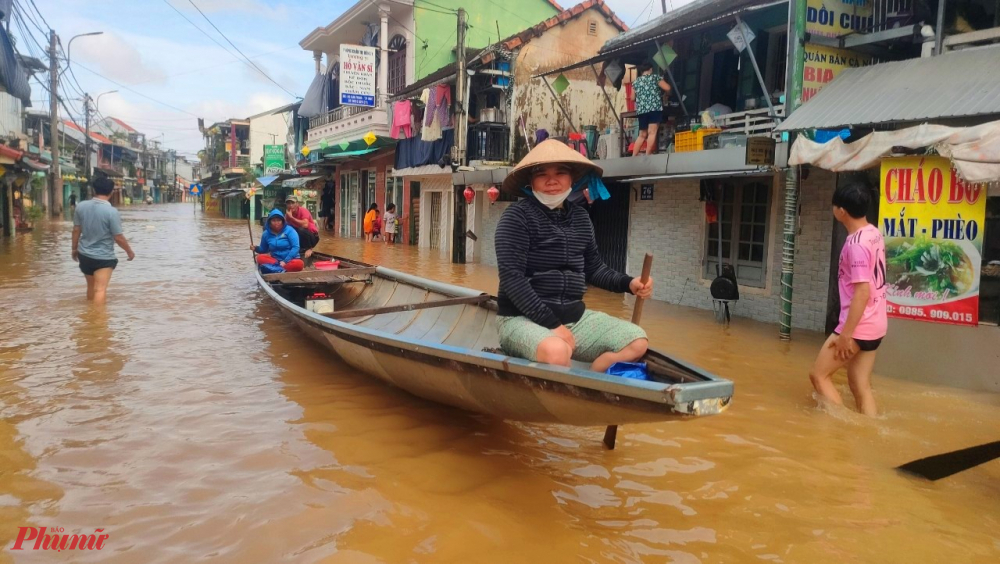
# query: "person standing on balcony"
649,90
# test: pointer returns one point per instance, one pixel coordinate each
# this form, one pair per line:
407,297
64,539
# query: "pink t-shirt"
303,214
863,260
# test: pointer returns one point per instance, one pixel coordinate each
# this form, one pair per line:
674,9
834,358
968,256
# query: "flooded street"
191,422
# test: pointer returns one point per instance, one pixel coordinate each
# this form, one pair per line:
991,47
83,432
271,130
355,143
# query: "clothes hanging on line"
432,127
401,128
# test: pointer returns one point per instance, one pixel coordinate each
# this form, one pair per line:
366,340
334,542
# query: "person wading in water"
546,256
96,228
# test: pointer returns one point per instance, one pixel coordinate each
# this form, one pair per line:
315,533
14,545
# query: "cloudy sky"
150,48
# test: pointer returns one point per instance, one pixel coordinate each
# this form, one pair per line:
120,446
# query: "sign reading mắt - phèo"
357,75
932,222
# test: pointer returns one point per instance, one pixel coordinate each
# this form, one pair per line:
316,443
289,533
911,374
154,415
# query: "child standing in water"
390,220
863,319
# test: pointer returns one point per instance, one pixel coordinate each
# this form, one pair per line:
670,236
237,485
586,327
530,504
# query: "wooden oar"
944,465
611,433
250,231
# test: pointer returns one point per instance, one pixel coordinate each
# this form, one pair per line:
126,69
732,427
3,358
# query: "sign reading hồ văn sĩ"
357,75
932,222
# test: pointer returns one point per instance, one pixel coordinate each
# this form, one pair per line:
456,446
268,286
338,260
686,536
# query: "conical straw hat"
549,151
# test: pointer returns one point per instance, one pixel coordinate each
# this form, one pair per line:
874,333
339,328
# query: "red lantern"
493,193
470,194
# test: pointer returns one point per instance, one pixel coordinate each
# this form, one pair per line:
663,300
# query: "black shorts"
866,345
648,118
90,265
307,239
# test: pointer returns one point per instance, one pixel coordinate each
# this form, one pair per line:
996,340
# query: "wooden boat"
432,340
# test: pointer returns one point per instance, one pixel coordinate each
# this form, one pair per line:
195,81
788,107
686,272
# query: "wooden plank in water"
347,314
317,275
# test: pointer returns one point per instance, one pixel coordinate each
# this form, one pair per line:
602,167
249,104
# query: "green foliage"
34,213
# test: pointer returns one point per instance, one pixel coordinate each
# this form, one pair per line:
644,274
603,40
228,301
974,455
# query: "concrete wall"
11,120
438,29
935,353
672,227
490,219
560,46
269,130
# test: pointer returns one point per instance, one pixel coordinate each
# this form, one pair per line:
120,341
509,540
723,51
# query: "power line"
648,6
120,85
240,52
39,12
401,24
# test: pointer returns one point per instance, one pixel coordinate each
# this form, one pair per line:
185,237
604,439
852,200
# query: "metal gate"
436,220
610,219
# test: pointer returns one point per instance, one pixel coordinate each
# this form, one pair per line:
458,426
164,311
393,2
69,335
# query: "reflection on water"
191,421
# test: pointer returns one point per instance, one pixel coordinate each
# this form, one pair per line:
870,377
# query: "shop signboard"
932,222
274,159
837,18
357,75
760,151
832,18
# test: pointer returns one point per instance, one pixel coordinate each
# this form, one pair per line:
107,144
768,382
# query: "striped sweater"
546,258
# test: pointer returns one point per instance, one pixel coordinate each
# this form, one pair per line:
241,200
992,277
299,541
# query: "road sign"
195,189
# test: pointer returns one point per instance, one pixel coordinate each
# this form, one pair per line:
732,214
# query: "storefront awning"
34,165
298,182
423,170
110,172
953,85
972,150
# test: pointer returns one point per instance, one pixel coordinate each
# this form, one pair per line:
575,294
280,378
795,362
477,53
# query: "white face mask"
551,201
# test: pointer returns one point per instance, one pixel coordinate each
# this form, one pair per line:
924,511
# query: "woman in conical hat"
546,255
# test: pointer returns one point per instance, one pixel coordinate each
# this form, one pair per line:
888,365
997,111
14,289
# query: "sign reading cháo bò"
932,222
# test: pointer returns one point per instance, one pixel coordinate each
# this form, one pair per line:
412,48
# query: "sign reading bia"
357,75
274,159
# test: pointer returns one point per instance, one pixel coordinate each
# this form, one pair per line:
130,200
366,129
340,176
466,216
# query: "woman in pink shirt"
302,221
863,319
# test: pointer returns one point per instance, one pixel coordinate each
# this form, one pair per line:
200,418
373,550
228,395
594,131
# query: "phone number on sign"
940,314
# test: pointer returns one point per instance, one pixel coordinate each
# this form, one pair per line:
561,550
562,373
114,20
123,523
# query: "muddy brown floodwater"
192,423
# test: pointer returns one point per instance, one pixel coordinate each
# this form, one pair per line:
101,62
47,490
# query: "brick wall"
672,227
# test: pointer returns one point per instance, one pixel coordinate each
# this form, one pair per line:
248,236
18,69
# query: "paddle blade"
944,465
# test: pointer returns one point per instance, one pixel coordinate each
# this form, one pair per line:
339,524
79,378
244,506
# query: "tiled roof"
127,127
517,40
523,37
93,134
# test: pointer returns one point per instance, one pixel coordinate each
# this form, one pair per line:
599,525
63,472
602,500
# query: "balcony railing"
337,114
489,142
752,123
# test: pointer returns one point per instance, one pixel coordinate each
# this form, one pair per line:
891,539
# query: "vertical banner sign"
832,18
932,222
274,159
357,75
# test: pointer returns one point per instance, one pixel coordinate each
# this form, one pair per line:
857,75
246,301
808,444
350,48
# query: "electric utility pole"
461,126
87,170
55,176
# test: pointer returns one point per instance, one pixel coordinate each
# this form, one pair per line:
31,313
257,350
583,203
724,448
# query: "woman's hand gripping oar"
611,433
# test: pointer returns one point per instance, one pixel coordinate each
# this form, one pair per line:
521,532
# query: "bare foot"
308,253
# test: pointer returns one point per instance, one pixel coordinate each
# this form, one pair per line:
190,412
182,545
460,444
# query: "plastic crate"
685,141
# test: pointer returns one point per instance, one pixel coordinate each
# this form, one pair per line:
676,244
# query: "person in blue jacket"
279,246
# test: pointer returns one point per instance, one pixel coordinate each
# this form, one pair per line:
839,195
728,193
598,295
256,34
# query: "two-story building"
414,39
227,159
414,170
